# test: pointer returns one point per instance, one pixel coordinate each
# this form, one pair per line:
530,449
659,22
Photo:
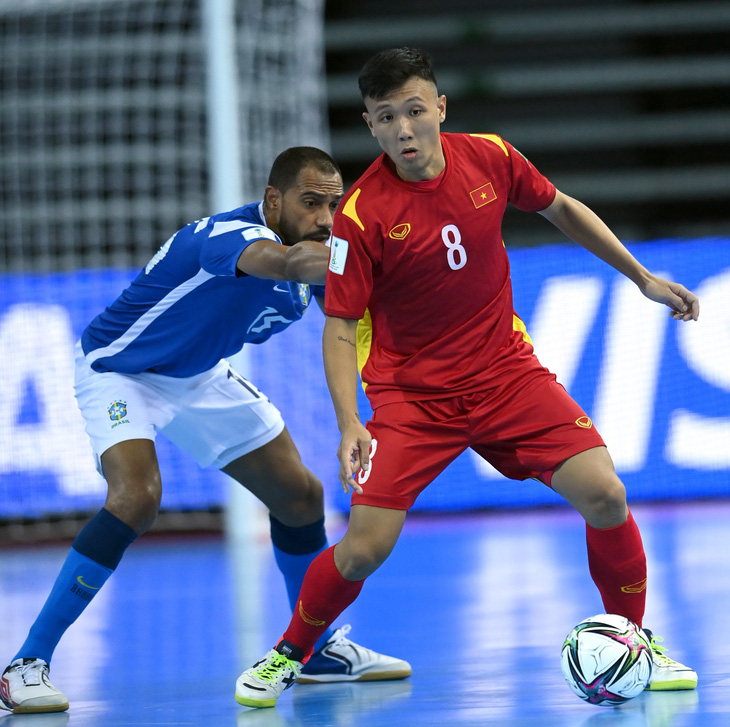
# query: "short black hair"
286,167
390,69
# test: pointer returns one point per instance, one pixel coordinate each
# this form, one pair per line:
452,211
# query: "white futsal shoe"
25,688
342,660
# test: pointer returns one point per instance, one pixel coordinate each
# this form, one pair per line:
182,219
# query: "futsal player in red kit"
419,298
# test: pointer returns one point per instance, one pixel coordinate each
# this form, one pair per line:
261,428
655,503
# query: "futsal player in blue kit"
154,361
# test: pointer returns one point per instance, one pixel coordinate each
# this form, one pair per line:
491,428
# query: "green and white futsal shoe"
268,679
667,674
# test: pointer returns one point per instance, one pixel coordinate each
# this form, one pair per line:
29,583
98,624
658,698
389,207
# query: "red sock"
617,564
324,595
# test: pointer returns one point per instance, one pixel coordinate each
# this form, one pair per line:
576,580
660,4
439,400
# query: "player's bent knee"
589,482
137,505
606,504
357,563
359,569
303,503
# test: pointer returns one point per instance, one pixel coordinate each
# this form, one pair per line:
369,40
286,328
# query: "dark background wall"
623,104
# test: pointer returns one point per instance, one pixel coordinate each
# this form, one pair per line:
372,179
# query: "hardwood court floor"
479,604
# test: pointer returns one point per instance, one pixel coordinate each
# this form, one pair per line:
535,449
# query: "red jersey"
424,267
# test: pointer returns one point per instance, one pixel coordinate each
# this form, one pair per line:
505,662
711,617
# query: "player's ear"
366,117
441,105
272,198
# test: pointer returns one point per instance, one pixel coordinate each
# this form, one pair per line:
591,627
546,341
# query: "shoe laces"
340,636
659,651
274,667
31,672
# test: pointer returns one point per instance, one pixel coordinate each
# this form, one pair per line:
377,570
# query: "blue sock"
294,550
93,556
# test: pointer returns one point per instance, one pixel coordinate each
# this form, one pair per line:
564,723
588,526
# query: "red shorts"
525,427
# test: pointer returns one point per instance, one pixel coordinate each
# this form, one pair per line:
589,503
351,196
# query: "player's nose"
325,218
404,128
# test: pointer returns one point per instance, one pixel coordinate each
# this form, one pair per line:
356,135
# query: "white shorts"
216,416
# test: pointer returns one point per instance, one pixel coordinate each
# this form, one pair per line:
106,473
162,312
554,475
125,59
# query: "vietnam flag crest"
483,195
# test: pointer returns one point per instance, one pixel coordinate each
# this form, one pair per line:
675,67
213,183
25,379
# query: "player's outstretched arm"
586,228
340,367
304,262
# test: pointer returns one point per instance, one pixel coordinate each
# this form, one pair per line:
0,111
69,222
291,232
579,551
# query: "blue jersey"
190,307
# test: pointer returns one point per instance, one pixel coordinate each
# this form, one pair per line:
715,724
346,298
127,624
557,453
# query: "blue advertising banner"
657,390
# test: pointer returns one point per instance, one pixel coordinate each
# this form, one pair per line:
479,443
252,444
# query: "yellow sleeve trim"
518,325
363,341
350,210
495,139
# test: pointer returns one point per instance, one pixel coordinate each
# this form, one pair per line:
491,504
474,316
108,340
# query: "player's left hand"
683,304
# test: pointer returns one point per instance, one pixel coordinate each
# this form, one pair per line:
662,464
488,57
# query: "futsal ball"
607,659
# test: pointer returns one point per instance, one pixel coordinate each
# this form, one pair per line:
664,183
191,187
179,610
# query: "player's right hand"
354,455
